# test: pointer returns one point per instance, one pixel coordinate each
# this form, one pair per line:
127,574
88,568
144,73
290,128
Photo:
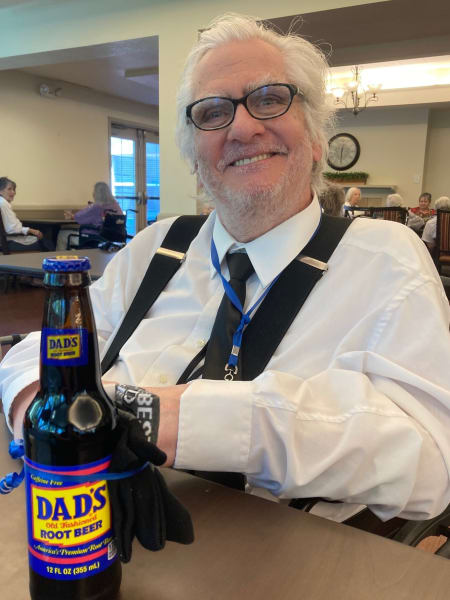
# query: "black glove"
142,505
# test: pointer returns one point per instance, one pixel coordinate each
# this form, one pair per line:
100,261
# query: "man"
350,406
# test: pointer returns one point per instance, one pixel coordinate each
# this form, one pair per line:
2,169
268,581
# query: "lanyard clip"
230,372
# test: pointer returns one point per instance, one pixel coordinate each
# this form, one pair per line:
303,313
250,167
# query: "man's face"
252,165
424,202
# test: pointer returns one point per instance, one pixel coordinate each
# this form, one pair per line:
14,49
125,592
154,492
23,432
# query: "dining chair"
3,239
442,256
352,212
389,213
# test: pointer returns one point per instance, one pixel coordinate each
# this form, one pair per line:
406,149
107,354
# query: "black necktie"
227,319
219,348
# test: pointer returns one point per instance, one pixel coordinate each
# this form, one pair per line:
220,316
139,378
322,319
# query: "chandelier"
354,95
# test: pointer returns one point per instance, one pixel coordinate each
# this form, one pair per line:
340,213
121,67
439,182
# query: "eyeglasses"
265,102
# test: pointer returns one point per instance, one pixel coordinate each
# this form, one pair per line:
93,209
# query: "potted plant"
347,178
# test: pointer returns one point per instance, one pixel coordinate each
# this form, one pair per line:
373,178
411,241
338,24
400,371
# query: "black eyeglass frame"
293,89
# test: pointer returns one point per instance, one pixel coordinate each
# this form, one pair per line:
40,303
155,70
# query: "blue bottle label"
64,347
69,524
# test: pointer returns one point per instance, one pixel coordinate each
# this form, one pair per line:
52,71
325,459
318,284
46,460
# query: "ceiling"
126,69
384,31
13,3
9,3
381,31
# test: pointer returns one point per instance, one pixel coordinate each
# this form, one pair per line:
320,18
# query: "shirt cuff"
214,426
25,230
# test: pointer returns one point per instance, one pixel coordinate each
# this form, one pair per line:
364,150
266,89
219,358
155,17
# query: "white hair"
306,67
394,200
442,203
349,194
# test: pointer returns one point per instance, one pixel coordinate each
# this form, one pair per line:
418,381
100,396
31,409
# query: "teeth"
247,161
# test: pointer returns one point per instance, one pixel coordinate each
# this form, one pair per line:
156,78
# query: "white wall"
393,143
437,171
56,149
46,25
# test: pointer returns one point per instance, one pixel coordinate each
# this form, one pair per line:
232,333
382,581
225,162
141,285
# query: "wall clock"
343,151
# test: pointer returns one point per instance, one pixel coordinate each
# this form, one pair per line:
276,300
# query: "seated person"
352,197
20,238
94,213
429,232
394,200
332,200
423,210
346,409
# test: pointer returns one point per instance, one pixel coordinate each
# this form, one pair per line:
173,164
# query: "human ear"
316,152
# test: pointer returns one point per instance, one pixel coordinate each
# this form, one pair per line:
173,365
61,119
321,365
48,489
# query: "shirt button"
163,378
200,343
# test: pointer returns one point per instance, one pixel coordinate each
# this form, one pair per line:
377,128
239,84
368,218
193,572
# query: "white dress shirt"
13,227
354,404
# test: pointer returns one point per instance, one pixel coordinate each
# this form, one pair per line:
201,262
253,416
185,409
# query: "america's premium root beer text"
69,524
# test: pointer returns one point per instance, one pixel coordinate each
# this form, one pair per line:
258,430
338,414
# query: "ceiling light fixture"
354,95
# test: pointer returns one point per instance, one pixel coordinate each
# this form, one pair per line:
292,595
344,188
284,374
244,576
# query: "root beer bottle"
69,436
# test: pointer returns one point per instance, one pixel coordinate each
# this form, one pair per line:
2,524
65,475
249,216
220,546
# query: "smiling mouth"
246,161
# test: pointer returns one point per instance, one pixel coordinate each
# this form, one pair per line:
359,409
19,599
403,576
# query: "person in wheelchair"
352,407
100,221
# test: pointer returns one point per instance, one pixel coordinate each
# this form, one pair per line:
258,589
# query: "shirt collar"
274,250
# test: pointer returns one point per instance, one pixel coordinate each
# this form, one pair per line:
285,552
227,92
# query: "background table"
246,548
50,226
30,263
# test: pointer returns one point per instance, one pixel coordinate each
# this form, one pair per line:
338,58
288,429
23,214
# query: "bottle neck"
69,354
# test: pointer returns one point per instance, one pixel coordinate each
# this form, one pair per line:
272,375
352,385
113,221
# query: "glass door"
135,174
152,178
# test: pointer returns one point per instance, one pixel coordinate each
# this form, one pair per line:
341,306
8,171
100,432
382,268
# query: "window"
135,174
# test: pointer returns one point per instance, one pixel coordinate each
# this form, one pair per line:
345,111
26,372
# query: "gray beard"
264,206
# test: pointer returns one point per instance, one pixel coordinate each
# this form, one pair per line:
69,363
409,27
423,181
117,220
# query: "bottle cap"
66,264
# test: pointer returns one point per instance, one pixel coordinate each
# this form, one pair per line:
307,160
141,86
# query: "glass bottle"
68,435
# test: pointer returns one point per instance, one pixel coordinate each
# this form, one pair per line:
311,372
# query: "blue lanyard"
231,368
13,480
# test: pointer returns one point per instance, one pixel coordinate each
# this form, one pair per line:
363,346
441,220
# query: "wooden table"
50,226
246,548
30,263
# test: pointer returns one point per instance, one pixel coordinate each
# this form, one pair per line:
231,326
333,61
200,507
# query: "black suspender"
280,307
276,313
162,268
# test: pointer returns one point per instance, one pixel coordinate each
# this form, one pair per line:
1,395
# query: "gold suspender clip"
313,262
171,253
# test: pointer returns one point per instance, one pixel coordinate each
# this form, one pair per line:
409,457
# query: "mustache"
238,152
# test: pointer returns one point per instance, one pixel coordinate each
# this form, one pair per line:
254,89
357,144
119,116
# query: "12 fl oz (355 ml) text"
72,570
